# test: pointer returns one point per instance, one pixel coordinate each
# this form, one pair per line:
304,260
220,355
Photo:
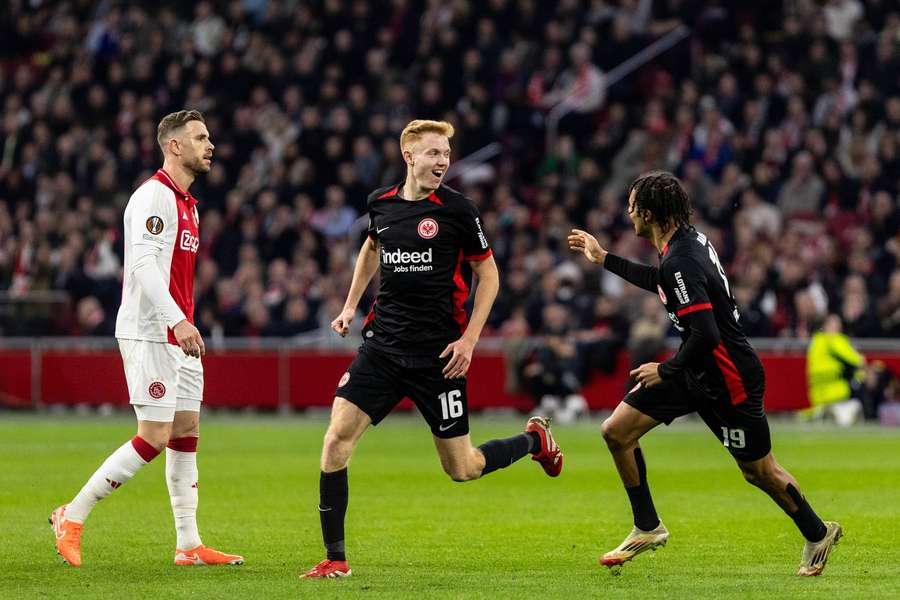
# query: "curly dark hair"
661,194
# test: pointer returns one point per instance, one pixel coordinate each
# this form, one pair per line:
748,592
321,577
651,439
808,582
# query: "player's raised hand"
648,374
582,241
460,353
189,339
342,323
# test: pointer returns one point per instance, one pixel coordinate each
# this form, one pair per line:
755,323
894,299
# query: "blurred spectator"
647,336
552,373
802,192
92,319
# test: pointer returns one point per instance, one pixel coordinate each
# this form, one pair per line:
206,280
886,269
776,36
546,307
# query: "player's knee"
750,476
460,475
460,472
336,445
158,441
613,435
754,475
155,434
192,430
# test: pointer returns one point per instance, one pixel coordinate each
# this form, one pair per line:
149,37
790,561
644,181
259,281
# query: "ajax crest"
157,390
428,228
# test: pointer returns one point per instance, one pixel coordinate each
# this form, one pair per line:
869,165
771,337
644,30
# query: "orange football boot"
204,555
68,536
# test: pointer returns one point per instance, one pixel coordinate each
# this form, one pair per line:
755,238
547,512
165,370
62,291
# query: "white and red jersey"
162,226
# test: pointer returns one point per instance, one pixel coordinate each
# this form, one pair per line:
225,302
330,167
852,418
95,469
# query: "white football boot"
637,541
815,554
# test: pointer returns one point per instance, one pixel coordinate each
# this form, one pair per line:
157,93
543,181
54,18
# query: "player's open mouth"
438,173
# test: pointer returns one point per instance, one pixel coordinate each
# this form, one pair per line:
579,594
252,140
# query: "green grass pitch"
413,533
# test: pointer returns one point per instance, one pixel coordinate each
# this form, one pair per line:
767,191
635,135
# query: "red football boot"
550,456
330,569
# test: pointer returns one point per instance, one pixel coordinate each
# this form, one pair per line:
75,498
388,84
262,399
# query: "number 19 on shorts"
733,438
451,405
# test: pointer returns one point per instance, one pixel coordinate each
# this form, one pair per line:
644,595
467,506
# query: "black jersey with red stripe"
425,247
691,279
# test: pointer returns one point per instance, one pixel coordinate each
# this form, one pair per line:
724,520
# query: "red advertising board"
268,379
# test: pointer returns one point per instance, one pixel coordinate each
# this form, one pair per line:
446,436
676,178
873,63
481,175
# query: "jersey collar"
394,192
167,180
675,236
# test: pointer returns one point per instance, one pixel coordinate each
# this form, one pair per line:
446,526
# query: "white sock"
181,477
115,471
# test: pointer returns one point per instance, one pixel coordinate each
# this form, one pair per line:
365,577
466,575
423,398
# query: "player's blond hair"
414,131
173,122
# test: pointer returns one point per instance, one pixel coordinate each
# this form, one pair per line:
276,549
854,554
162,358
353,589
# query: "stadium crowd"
782,118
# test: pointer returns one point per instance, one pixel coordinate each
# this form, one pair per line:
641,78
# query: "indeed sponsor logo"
407,262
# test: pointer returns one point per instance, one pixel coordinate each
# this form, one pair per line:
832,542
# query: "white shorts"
161,379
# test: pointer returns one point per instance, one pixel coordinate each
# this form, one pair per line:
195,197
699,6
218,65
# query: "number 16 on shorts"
733,438
451,405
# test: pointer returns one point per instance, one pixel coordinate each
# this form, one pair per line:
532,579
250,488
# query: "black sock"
642,507
806,519
333,495
499,454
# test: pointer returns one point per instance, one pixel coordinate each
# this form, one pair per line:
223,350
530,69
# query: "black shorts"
741,428
377,381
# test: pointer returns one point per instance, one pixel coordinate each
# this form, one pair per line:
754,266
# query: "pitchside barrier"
272,374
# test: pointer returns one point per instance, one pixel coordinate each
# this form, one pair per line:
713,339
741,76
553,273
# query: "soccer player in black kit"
715,373
427,240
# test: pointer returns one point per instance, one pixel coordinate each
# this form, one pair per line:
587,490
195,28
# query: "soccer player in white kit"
159,344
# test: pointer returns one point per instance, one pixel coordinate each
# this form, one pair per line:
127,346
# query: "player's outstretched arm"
460,351
643,276
582,241
366,266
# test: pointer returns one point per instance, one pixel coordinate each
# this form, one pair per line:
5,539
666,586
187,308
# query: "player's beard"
198,166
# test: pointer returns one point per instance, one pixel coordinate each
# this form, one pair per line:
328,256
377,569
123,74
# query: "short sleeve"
371,230
154,220
475,244
686,282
